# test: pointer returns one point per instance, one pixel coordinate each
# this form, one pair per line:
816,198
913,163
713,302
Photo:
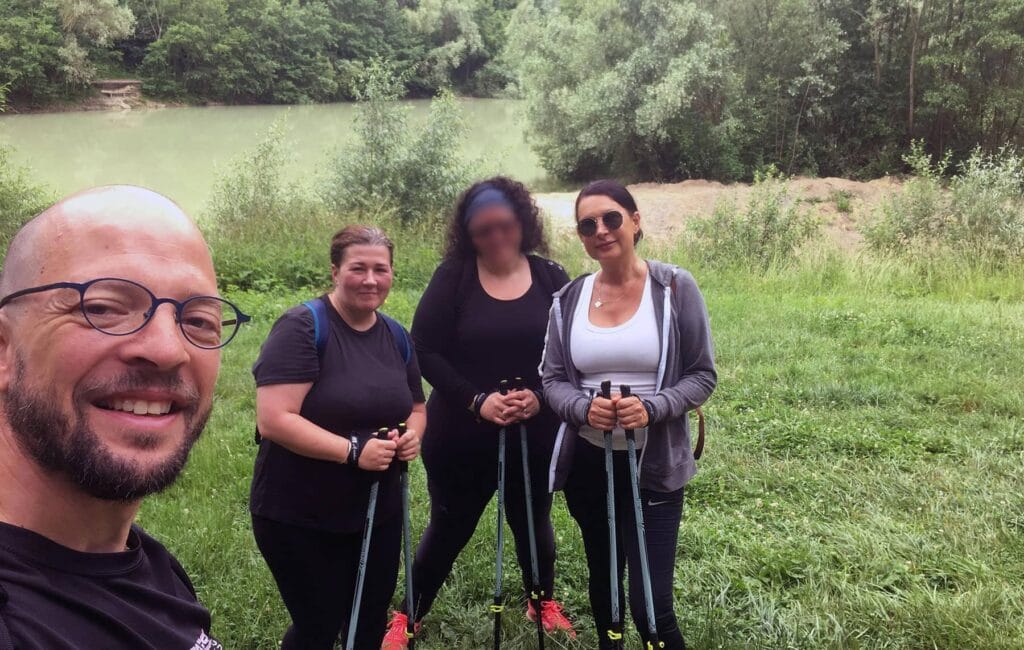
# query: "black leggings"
457,501
315,572
585,495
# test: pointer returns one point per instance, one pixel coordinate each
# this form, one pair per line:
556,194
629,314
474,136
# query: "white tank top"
626,354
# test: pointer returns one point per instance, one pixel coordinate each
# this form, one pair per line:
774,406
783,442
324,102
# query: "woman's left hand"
631,413
408,445
523,405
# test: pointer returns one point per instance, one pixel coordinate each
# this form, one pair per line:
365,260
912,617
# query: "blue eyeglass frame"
179,307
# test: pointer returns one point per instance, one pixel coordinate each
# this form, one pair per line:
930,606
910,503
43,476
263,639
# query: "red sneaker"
551,617
396,637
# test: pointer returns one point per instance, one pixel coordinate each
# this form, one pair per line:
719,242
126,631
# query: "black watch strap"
353,450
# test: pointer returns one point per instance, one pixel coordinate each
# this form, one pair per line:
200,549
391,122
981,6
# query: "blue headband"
485,196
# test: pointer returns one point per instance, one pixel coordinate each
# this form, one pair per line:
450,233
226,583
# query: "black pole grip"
503,387
606,389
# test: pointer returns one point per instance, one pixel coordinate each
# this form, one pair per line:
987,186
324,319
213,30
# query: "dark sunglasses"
501,227
588,227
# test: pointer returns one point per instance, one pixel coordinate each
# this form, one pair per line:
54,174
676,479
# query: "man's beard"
68,446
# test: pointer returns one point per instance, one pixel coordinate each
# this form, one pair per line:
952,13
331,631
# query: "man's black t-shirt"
56,598
361,384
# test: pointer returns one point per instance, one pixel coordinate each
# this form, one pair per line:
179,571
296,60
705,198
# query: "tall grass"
979,213
861,487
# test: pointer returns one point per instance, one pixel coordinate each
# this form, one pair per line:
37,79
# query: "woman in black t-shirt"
482,319
328,376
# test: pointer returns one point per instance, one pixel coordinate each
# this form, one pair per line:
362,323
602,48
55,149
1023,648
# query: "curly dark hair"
459,245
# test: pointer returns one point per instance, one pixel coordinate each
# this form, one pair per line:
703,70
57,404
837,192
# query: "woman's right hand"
601,415
377,454
493,407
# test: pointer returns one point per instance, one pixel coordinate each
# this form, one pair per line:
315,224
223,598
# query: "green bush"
767,232
20,198
265,232
392,167
979,213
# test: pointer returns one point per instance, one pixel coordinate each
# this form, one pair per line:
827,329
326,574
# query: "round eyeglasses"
120,307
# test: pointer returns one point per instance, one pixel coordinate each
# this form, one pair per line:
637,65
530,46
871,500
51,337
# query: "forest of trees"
657,89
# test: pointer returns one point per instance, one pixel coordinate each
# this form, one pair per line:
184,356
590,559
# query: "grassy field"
861,486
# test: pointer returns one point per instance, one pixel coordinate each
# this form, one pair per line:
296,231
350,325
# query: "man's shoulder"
50,596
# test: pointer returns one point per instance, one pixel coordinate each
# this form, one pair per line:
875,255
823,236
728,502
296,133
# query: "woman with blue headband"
481,320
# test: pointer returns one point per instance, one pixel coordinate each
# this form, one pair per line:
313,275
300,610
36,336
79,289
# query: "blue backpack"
321,331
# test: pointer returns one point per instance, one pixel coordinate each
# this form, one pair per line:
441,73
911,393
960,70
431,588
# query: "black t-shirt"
469,341
56,598
361,384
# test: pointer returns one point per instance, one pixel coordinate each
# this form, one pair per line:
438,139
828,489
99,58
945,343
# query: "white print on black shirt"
205,642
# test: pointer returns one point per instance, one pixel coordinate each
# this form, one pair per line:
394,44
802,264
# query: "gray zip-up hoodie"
686,377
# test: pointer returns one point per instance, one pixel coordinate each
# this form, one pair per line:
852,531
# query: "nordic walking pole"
371,508
641,535
497,607
615,632
410,626
535,590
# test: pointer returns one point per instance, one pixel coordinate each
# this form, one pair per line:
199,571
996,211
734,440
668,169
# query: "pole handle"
503,387
626,391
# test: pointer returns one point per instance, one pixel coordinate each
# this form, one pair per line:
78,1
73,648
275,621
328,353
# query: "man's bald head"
96,221
114,414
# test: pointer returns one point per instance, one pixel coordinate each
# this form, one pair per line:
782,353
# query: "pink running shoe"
396,637
551,617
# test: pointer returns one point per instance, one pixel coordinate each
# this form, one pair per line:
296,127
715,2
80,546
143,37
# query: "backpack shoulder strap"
320,324
401,337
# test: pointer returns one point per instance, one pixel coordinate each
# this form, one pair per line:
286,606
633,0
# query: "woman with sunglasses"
641,323
332,372
482,319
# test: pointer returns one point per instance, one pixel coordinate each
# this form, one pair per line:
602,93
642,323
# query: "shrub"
20,198
267,233
767,232
979,213
392,167
264,231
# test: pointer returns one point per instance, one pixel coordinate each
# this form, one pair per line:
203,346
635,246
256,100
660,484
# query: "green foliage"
30,42
393,167
631,89
843,200
266,52
980,214
405,190
252,200
766,233
722,88
20,198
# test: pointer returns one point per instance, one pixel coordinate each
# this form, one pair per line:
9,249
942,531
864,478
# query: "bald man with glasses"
110,338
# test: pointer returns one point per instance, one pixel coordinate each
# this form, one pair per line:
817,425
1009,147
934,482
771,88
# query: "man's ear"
6,353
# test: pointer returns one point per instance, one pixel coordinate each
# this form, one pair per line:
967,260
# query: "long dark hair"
459,244
615,191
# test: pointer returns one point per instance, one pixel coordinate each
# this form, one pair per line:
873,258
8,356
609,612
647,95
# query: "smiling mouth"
138,406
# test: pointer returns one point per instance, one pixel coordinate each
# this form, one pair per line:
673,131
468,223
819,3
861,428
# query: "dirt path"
665,208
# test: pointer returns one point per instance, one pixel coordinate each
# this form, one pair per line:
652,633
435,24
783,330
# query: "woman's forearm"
300,436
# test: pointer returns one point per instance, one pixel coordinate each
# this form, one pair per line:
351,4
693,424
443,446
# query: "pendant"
597,304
